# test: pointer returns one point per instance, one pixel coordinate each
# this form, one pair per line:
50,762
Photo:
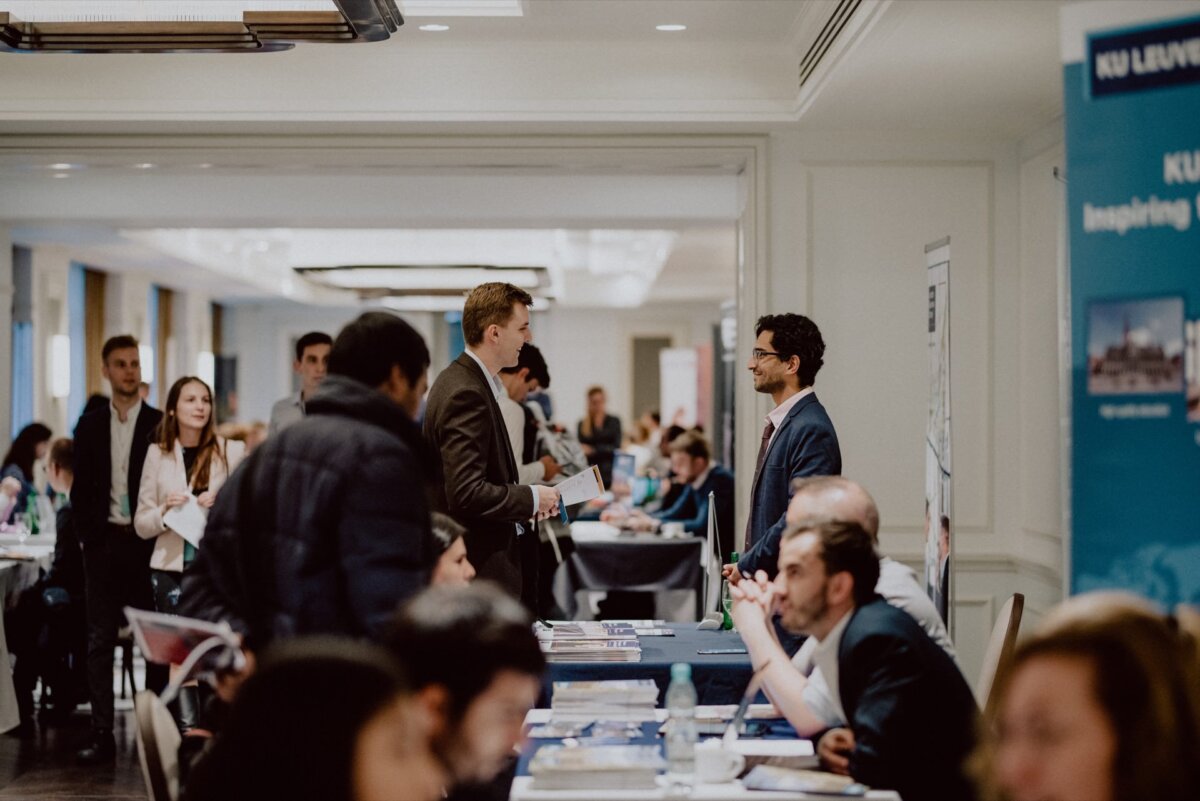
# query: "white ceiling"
970,67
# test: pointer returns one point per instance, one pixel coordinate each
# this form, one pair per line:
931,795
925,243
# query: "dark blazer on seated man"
692,508
479,489
911,711
804,444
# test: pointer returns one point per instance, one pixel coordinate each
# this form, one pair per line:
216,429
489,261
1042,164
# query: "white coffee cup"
672,529
716,765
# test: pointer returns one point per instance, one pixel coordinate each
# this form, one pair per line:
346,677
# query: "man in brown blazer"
465,429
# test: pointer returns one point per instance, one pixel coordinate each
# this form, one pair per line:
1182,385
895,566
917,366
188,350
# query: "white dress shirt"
120,444
780,412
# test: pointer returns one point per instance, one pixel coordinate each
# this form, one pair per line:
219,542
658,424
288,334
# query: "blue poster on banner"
1133,190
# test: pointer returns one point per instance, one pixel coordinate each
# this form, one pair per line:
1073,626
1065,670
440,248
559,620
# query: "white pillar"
6,301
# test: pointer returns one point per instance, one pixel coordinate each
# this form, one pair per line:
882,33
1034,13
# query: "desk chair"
999,652
125,643
158,746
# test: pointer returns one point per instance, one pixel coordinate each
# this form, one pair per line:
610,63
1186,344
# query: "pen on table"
739,717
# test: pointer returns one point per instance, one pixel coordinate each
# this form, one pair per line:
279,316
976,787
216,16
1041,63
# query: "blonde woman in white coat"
189,459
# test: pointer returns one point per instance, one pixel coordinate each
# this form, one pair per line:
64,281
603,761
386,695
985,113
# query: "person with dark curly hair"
798,439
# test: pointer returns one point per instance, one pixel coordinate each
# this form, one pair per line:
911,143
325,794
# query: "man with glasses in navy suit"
798,439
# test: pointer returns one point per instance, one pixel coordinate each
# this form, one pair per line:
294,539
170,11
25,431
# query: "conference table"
523,784
719,678
607,559
16,576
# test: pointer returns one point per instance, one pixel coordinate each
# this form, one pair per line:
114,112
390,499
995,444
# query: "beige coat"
163,474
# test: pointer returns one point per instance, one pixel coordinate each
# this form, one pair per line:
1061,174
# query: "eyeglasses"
758,354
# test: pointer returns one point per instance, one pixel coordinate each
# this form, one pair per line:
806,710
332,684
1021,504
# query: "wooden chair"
158,746
999,652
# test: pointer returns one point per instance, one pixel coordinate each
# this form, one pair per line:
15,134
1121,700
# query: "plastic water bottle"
681,728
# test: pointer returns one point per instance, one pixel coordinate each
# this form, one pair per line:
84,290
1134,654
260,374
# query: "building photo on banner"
572,400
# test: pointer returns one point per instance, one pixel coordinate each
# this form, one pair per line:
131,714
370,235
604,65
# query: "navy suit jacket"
692,508
804,445
911,711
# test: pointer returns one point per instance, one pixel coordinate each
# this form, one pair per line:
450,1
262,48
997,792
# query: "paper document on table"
187,521
581,487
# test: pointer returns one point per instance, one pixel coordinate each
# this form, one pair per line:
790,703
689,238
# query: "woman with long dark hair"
188,464
321,720
30,446
190,460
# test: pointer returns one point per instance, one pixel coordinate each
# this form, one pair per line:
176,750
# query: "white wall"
583,347
850,214
260,335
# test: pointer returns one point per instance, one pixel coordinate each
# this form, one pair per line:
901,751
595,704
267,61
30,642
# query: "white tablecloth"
15,577
729,791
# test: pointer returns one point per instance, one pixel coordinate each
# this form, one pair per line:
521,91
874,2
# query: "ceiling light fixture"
144,166
433,28
163,26
670,28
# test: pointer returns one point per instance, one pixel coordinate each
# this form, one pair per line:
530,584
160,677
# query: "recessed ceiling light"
670,28
434,28
144,166
62,166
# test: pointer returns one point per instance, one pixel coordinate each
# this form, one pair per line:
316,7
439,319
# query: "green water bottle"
31,510
727,599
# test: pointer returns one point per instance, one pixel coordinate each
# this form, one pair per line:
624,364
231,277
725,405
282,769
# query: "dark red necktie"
762,457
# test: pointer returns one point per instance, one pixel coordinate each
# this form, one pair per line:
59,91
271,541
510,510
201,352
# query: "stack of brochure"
590,641
596,767
631,700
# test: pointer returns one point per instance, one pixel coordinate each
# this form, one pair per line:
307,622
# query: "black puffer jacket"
324,529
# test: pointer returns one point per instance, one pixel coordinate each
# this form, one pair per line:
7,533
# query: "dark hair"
367,348
490,304
531,359
62,454
446,530
673,433
655,416
461,637
168,432
119,342
1145,675
310,339
693,443
795,335
293,727
23,452
845,547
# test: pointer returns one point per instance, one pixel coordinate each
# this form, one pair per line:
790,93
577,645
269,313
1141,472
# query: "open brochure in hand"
169,639
600,767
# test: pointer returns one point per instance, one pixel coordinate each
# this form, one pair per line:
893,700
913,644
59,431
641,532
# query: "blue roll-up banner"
1133,195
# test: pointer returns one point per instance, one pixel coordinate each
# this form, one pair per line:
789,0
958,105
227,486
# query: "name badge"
125,506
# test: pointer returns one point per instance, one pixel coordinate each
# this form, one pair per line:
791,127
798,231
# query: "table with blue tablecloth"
719,678
522,785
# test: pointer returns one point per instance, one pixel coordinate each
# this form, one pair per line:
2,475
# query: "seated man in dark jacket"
691,462
45,628
325,528
911,715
